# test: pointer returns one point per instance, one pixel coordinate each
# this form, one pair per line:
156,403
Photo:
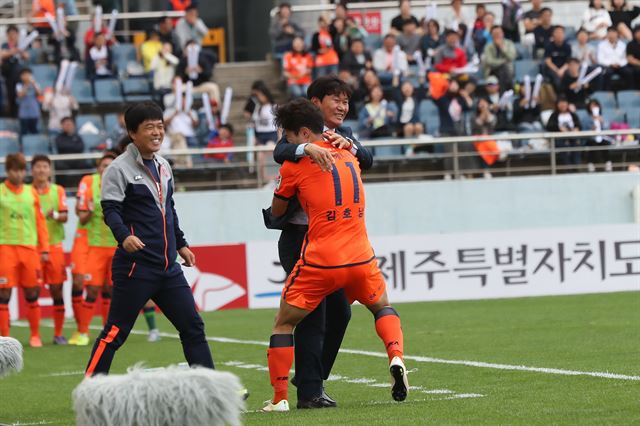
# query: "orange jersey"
298,66
335,205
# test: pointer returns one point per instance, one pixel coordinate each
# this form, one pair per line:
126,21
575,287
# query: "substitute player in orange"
24,243
336,253
102,247
79,254
53,203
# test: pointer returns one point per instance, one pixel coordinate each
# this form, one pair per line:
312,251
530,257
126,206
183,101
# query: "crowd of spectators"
465,68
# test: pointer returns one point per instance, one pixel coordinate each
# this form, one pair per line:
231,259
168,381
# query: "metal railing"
246,173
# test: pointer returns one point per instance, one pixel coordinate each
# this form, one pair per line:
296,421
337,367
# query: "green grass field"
590,333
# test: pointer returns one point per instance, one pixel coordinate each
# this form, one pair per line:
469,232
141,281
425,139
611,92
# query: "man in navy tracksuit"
319,336
137,201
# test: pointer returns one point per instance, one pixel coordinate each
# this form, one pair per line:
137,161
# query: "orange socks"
86,314
33,315
106,304
58,317
390,331
4,319
280,359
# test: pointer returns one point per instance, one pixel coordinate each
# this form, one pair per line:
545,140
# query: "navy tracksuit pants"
133,286
319,336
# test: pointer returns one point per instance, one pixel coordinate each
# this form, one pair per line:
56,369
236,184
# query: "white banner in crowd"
483,265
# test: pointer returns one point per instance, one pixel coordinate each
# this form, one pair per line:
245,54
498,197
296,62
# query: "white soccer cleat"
399,382
281,406
154,335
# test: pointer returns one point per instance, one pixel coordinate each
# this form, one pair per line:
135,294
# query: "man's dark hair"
558,27
190,8
545,9
284,4
327,86
25,71
15,161
636,29
227,126
107,155
389,36
612,29
66,118
40,157
138,113
449,32
495,27
299,113
12,28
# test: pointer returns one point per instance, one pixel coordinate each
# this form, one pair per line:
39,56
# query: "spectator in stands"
397,23
150,49
181,125
431,39
409,124
69,142
326,57
283,29
297,66
478,23
622,15
511,12
556,55
525,115
90,36
117,133
356,100
357,60
378,117
99,62
224,139
596,122
200,75
340,12
163,66
168,35
633,56
190,27
531,18
64,43
563,120
499,57
596,20
39,9
383,60
503,112
484,123
582,50
455,16
340,37
450,56
543,31
28,92
355,30
409,40
59,104
260,112
12,60
576,94
482,36
612,56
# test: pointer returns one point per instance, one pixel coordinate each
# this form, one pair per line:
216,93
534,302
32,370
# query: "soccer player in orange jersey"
336,253
53,203
24,243
79,254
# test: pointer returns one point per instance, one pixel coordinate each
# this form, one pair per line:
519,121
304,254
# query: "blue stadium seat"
92,142
628,99
45,74
35,144
428,113
633,117
614,115
606,99
81,73
373,42
570,33
136,89
82,91
93,118
110,121
585,119
107,91
8,146
10,124
124,53
524,67
387,151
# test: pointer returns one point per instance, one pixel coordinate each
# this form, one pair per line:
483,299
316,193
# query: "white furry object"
10,356
159,397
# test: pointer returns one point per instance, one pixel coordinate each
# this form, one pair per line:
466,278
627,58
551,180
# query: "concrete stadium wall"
405,208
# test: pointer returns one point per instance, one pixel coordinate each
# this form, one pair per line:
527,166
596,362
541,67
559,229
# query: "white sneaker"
154,335
399,382
281,406
447,177
591,167
608,167
487,175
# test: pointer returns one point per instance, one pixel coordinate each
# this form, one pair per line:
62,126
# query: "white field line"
364,381
41,422
425,359
63,373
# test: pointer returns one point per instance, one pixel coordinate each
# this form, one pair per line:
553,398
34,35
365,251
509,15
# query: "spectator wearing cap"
397,23
556,55
633,56
357,59
168,34
503,113
612,56
190,27
498,58
283,29
383,62
450,56
543,32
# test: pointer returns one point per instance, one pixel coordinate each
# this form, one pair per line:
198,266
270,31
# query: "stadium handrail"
87,17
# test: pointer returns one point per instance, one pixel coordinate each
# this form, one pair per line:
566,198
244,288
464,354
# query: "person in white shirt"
59,104
455,17
181,128
596,20
99,60
383,60
612,56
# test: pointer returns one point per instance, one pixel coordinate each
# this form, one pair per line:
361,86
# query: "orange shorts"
54,271
79,252
99,266
20,265
307,286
